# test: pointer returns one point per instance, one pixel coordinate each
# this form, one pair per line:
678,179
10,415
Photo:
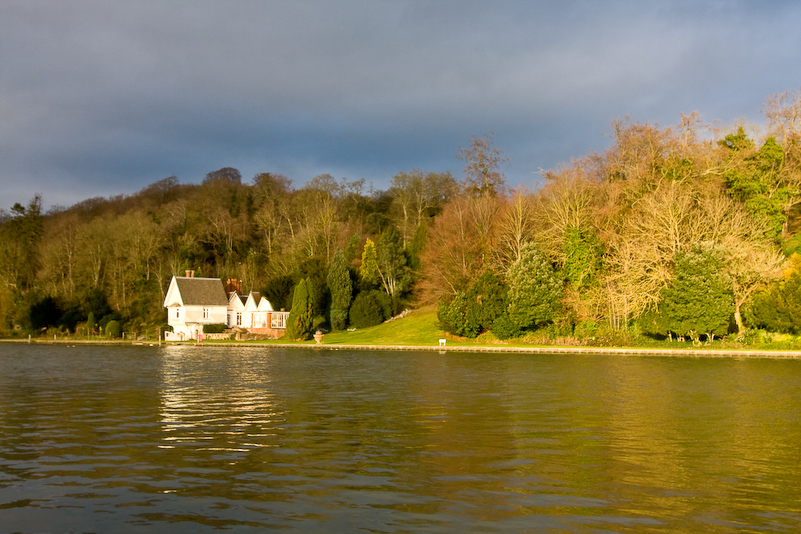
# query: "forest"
683,232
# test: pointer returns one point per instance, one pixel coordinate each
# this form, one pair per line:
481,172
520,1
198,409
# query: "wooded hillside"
681,230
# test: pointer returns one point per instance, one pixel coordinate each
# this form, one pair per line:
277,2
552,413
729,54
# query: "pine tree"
341,289
534,288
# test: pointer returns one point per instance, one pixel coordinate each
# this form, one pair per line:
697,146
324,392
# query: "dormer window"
177,313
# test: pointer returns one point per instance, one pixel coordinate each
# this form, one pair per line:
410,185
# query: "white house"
256,315
193,302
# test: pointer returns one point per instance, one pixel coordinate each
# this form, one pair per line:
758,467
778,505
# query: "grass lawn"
418,328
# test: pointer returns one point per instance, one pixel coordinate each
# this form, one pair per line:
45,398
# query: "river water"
202,439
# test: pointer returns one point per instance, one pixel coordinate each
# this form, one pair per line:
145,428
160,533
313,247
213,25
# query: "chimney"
190,274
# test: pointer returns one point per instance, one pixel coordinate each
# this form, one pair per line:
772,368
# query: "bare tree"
482,166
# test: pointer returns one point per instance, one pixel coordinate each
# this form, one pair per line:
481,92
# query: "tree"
20,237
417,196
700,299
393,270
516,228
301,317
482,166
750,266
461,245
534,289
475,311
225,175
44,313
279,291
459,316
341,289
783,110
368,270
778,308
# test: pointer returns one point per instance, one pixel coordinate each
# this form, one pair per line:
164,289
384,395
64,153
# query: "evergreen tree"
700,299
534,289
341,289
301,317
368,271
352,250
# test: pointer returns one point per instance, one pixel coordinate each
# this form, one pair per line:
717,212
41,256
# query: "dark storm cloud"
100,98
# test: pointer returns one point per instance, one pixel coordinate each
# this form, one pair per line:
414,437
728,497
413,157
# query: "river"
208,439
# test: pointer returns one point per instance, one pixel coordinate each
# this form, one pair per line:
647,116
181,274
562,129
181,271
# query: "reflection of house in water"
223,404
194,302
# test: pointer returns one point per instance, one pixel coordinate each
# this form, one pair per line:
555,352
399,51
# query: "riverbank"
621,351
418,331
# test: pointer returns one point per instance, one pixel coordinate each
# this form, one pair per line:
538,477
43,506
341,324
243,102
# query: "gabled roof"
201,291
235,301
252,302
264,305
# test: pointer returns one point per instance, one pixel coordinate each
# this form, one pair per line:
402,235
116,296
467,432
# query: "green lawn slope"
418,328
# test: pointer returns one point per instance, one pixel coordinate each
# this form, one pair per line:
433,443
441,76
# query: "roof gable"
264,305
252,303
235,302
201,291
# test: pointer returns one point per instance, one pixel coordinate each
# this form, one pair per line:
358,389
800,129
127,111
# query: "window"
279,320
177,313
238,319
205,313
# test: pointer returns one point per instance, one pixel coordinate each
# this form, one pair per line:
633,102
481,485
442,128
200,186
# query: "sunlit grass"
418,328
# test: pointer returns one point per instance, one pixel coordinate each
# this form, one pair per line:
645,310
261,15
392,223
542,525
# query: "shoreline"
621,351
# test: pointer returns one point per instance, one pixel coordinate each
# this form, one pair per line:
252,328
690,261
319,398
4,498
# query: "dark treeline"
686,231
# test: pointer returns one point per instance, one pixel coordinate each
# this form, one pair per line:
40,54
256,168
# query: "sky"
102,98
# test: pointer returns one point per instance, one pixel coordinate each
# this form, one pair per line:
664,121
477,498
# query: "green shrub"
471,313
217,328
459,316
113,329
365,311
586,329
384,302
505,328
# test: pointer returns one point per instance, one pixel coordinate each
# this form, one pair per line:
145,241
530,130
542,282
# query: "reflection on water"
198,439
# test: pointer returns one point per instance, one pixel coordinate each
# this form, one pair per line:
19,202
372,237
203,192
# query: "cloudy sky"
100,98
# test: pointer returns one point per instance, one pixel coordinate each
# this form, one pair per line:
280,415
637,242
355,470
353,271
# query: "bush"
365,311
459,317
586,329
113,329
505,328
471,313
384,302
217,328
777,308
